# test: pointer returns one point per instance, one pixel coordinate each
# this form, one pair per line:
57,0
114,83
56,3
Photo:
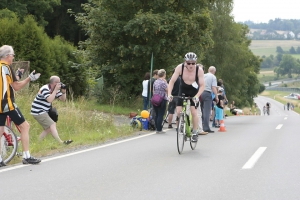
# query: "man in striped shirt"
9,83
42,105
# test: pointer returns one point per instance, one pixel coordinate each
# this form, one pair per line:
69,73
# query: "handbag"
156,100
53,114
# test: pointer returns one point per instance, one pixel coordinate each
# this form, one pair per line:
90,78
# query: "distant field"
268,47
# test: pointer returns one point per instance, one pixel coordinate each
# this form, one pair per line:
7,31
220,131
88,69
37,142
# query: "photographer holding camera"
41,108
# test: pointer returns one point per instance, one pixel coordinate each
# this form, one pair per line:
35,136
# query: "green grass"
85,122
268,47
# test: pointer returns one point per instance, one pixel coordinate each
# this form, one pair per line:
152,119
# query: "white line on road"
285,118
254,158
279,126
78,152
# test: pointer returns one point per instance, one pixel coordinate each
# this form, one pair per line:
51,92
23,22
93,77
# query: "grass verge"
83,121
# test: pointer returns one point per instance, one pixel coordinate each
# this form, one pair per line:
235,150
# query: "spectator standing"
199,113
145,90
219,107
43,103
206,97
160,87
288,106
173,104
9,107
225,101
151,82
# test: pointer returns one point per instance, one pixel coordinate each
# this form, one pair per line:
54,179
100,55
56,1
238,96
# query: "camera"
63,86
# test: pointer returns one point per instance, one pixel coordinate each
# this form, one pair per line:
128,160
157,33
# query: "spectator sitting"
232,107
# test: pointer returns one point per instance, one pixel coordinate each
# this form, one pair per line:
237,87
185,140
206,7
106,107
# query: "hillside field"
268,47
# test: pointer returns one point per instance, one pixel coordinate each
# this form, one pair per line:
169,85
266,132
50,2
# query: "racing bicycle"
9,142
184,128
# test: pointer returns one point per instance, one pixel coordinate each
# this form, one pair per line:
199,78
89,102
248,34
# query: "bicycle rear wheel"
9,145
180,134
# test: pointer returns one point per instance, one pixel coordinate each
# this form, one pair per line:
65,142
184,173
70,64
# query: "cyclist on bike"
8,107
192,85
268,106
264,110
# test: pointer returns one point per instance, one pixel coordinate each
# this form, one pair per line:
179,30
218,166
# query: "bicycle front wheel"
193,144
9,145
180,134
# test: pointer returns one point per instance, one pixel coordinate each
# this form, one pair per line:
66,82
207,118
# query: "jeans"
206,109
145,101
160,112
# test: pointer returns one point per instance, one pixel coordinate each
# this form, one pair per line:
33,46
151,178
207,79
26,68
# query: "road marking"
254,158
285,118
279,126
82,151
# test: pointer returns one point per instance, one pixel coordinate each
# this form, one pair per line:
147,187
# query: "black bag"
53,114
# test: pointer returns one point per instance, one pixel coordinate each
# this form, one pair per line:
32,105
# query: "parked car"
293,96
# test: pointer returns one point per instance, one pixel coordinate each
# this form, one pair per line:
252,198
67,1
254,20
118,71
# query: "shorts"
44,120
15,115
172,105
219,113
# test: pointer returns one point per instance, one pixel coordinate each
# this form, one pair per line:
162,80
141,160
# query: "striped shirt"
6,91
40,104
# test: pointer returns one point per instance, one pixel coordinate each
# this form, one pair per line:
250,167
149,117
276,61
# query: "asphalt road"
256,158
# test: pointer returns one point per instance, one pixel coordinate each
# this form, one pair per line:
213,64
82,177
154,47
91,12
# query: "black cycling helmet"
190,56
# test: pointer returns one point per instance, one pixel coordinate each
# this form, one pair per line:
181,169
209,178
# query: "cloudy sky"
264,10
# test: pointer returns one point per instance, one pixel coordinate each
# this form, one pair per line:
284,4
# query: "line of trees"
117,38
277,24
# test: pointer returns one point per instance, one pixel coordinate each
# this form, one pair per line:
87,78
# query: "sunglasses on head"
190,63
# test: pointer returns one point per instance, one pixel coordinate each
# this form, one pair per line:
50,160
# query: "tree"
123,35
231,56
267,63
298,50
279,50
287,65
36,8
47,56
60,22
292,50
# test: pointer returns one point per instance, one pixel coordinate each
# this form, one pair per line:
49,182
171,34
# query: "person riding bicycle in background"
268,106
192,85
8,107
264,110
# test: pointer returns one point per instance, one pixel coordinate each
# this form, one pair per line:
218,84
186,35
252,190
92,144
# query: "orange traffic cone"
222,127
237,113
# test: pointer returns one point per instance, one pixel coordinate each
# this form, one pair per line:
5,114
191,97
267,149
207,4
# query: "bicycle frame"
9,122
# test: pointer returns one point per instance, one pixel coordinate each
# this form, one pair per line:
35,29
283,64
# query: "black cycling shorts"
15,115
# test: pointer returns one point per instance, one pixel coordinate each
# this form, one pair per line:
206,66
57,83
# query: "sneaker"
194,137
68,142
170,126
160,132
202,133
2,164
31,160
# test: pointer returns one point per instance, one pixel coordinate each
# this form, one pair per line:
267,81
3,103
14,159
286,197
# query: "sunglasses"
190,63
